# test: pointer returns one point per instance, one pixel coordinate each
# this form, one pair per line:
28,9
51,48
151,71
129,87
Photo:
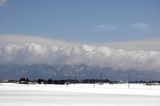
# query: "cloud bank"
34,50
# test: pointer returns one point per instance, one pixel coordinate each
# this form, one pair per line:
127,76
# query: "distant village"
74,81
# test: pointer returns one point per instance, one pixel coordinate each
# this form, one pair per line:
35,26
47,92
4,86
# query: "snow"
79,95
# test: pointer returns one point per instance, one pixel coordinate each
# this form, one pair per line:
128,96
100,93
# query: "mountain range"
36,57
82,71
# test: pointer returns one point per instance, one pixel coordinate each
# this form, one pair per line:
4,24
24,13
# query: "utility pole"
128,80
101,75
75,76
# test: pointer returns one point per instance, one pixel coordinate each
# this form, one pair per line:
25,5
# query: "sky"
94,21
121,34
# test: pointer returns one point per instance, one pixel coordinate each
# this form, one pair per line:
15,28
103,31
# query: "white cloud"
33,51
3,3
108,27
141,26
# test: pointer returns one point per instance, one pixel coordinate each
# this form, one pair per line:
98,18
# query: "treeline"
67,81
155,82
72,81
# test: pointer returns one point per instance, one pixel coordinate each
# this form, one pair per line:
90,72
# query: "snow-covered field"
79,95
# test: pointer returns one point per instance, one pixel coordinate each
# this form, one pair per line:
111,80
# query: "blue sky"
82,20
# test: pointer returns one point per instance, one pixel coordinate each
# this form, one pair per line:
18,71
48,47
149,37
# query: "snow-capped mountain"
22,50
